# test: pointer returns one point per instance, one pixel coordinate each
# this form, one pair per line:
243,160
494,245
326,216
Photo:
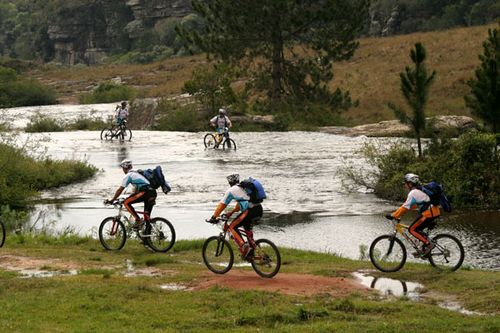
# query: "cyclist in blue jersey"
143,192
250,212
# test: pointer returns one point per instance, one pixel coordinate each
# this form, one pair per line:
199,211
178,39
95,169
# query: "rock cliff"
87,31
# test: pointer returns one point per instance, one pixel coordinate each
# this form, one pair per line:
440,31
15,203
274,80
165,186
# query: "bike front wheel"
266,259
126,134
209,141
2,233
106,134
218,255
112,234
161,235
388,253
229,144
448,253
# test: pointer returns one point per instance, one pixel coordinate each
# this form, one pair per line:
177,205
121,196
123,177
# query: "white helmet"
412,178
126,164
222,111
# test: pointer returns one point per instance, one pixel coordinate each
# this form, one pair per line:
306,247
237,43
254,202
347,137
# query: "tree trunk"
419,145
277,67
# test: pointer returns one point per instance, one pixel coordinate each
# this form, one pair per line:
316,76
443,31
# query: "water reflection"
390,287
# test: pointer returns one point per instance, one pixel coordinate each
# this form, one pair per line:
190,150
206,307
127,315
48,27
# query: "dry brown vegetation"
372,75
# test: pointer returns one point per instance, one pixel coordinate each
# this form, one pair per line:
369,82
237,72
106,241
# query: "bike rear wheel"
161,235
106,134
266,258
2,233
229,144
448,253
388,253
218,255
112,234
209,141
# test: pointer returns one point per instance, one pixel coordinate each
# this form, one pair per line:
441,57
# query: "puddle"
173,287
390,287
455,306
147,271
34,273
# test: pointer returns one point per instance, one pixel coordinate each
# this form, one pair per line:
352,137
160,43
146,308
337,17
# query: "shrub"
42,123
466,166
14,91
108,92
23,176
176,117
86,123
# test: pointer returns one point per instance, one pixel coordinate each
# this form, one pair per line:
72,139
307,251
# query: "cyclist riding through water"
143,192
249,213
221,122
417,200
121,113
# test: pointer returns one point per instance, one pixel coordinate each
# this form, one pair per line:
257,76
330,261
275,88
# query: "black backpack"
435,191
156,179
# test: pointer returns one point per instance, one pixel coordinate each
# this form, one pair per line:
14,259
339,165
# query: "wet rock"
392,128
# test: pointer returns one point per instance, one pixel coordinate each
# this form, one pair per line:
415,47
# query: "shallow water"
306,206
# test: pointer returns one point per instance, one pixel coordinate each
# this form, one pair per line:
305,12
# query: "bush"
86,123
175,117
42,123
108,92
14,91
23,176
467,167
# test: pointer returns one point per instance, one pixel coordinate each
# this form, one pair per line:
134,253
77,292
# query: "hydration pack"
435,191
254,189
156,179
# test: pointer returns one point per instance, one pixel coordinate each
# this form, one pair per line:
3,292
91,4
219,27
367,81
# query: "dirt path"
285,283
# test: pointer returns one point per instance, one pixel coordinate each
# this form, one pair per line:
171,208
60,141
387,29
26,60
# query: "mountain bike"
218,255
388,252
2,232
216,140
157,233
118,131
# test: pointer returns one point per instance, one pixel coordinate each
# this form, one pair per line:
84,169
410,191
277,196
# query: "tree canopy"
288,44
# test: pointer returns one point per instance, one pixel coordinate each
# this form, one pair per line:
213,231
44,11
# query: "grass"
372,75
102,299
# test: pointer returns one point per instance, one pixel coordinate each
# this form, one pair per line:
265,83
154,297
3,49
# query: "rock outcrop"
86,32
393,128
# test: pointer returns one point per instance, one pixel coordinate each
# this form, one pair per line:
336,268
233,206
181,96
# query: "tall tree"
290,43
415,86
484,100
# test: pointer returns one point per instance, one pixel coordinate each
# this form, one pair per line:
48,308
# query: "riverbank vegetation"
135,290
108,92
19,91
23,176
40,123
466,166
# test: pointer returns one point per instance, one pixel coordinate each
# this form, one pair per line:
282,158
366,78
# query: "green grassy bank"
100,298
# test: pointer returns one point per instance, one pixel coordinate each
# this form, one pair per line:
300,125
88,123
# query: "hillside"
372,75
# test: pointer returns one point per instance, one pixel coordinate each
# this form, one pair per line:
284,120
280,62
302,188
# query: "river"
307,207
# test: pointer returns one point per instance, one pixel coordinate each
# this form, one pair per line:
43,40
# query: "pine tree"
484,100
290,44
415,86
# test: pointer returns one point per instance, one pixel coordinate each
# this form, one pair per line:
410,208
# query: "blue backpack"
254,189
435,191
156,179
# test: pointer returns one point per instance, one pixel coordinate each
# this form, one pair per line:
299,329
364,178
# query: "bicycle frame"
402,229
122,217
225,234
